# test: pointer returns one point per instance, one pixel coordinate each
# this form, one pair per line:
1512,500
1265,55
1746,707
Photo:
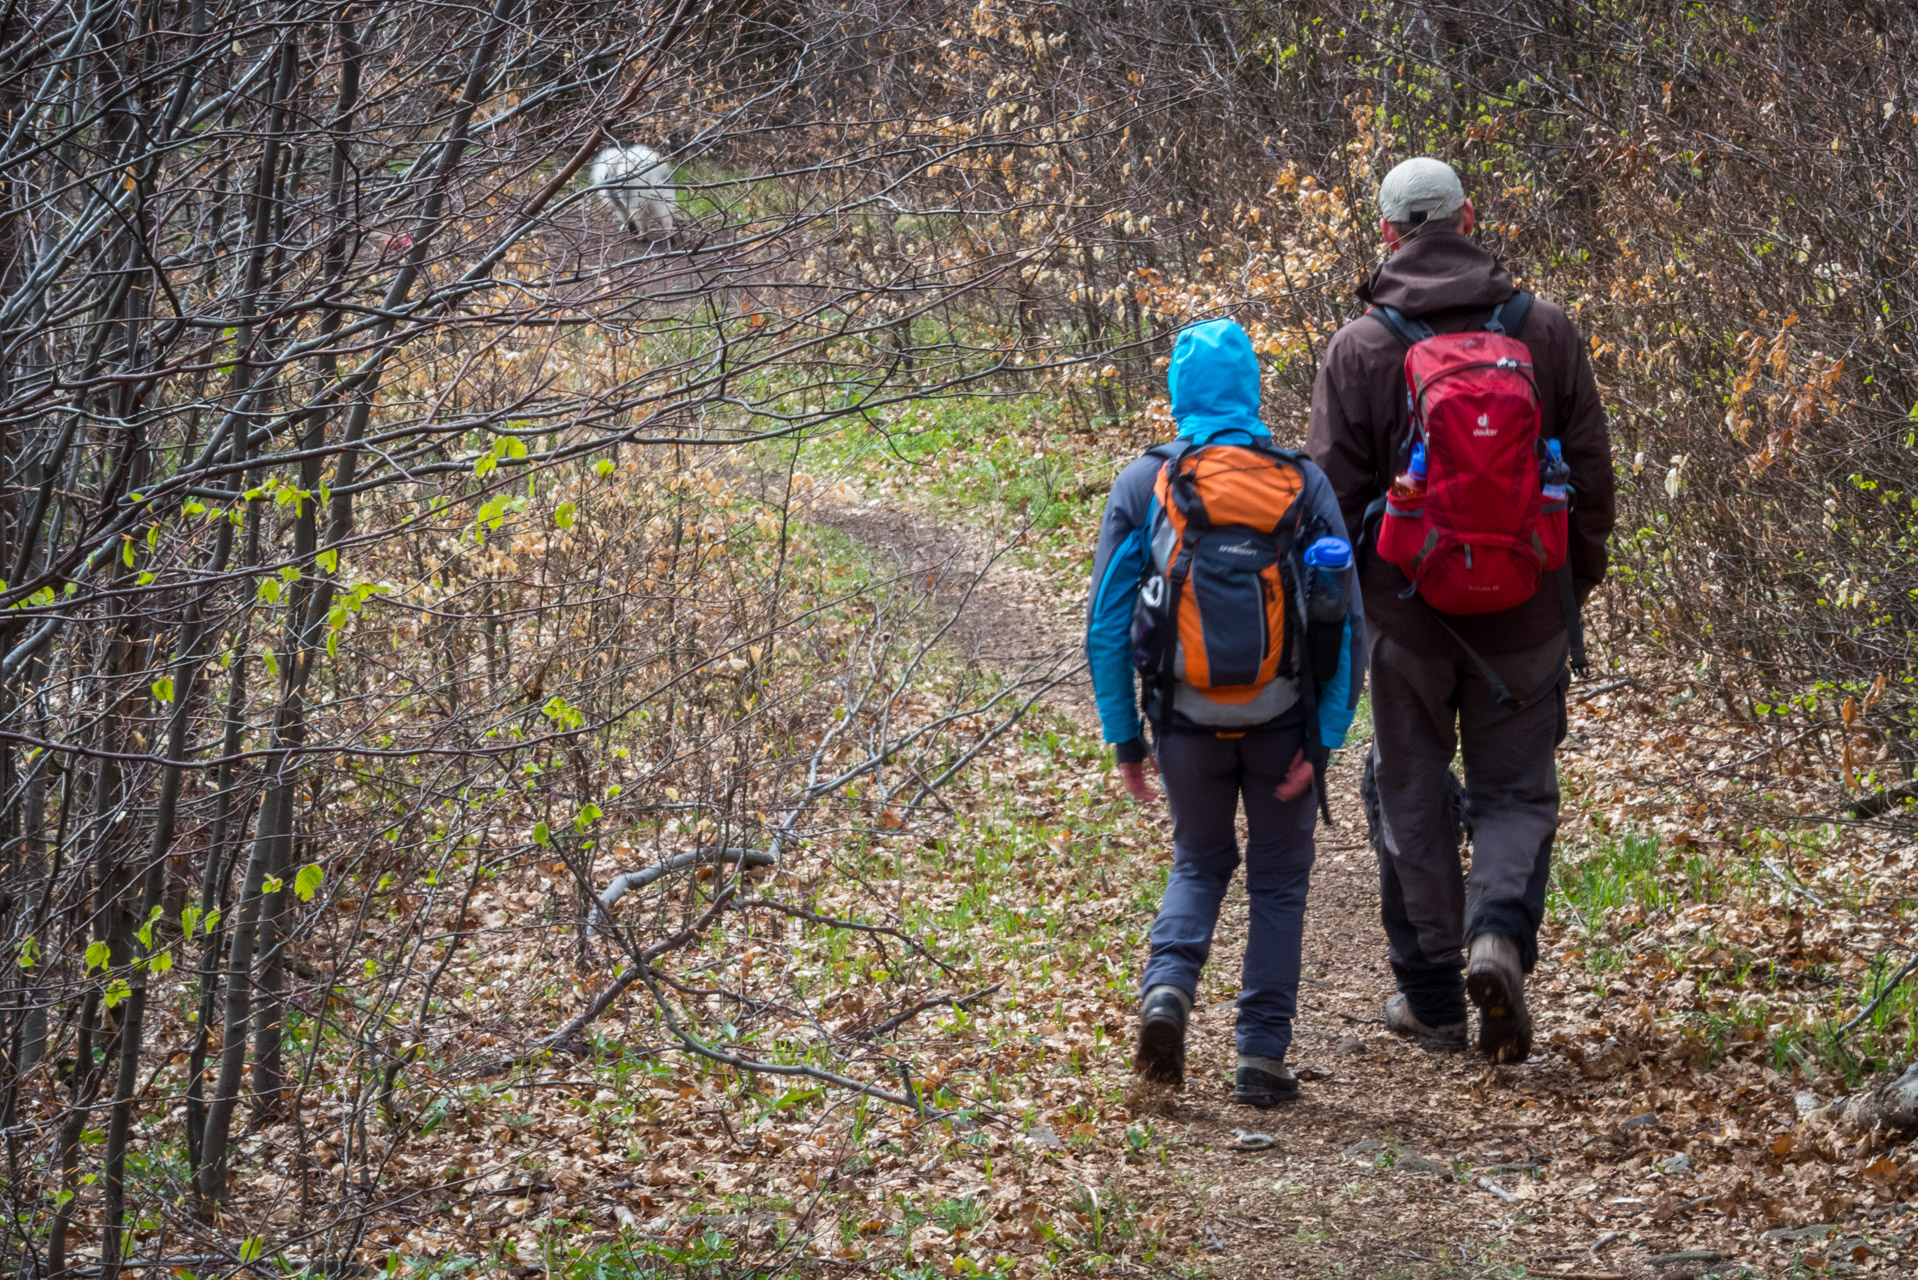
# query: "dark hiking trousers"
1206,778
1422,708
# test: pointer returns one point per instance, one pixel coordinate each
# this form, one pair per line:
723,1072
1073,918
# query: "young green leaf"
307,882
163,689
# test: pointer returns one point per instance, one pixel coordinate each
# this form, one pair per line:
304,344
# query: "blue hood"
1214,381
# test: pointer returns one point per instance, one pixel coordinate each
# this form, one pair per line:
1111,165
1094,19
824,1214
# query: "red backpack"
1483,535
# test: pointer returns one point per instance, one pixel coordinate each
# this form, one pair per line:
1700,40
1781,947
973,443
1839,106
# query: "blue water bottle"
1555,474
1328,561
1328,575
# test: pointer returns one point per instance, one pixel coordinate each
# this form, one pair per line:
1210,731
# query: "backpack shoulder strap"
1181,483
1267,446
1409,332
1508,317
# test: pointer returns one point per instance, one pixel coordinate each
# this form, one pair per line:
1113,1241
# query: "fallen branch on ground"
958,1002
626,977
695,1045
1897,981
1587,694
1883,802
835,922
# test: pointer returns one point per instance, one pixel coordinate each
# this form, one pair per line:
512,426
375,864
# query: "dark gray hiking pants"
1206,778
1422,708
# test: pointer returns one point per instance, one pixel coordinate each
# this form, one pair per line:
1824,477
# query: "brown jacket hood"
1437,271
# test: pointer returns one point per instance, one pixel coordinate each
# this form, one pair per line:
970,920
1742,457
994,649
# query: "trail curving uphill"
1595,1160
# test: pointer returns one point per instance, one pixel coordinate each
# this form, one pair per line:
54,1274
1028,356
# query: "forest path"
1396,1162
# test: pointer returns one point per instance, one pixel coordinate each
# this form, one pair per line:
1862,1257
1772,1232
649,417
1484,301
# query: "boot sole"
1422,1036
1265,1099
1431,1044
1504,1023
1161,1057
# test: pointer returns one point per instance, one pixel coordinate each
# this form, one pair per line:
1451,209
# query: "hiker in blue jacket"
1263,746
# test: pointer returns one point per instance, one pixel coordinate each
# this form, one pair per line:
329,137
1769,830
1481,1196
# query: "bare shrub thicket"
364,543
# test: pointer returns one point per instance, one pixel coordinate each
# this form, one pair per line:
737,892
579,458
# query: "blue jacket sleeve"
1338,698
1116,568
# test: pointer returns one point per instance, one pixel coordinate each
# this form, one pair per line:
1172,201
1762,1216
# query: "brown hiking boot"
1496,982
1401,1021
1162,1018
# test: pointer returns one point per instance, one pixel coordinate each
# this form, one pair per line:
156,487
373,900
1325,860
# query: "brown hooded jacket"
1361,424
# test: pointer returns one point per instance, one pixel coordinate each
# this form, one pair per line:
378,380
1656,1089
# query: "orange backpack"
1218,600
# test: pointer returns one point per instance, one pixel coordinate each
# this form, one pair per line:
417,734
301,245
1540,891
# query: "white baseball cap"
1421,188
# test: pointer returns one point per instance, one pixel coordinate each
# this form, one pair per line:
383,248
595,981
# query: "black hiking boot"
1496,982
1162,1018
1264,1083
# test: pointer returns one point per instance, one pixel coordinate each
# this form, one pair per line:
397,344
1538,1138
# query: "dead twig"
1791,883
628,974
1586,695
834,922
958,1002
1884,992
628,881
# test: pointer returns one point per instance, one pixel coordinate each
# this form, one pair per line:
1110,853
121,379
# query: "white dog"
637,185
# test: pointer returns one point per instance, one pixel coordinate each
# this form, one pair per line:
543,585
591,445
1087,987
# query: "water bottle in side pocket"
1328,575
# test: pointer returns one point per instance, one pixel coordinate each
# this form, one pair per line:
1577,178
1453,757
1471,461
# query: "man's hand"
1132,774
1298,777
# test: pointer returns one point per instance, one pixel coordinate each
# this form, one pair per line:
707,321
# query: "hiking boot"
1496,982
1162,1017
1401,1021
1264,1082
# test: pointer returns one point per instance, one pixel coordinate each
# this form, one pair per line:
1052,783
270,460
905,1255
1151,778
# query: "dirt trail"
1396,1162
1008,617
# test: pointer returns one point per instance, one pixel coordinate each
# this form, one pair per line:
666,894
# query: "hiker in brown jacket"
1429,673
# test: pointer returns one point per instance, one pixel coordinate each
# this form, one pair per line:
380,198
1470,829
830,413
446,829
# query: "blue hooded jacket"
1214,384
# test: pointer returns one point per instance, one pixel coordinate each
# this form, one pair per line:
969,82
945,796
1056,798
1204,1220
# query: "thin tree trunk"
186,671
86,1085
239,996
